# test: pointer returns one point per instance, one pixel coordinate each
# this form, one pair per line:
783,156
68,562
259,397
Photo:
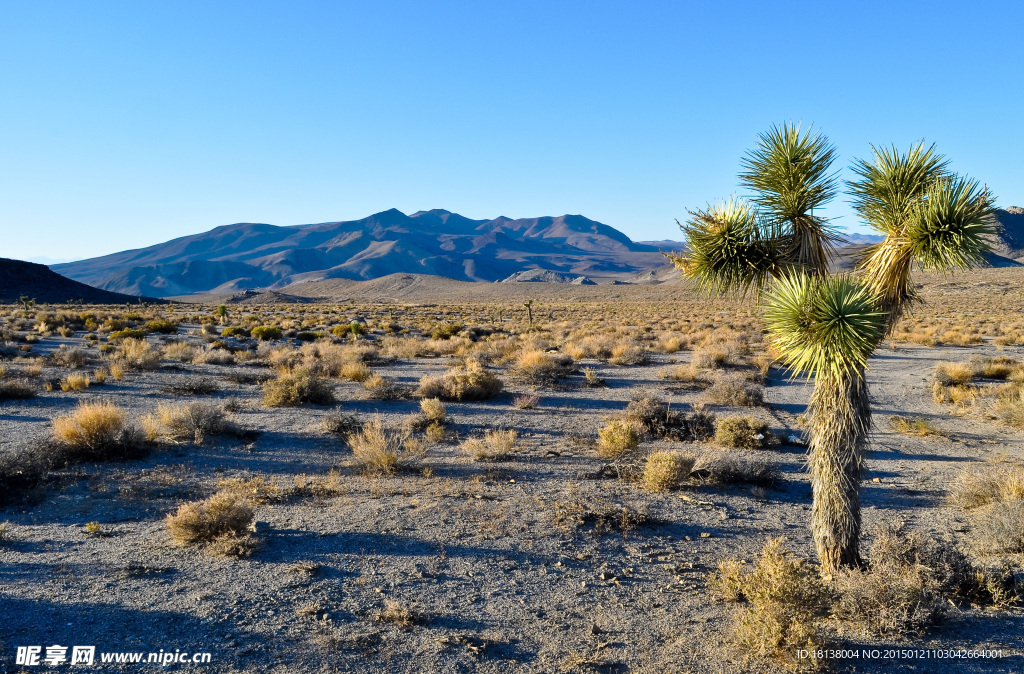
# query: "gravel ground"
495,578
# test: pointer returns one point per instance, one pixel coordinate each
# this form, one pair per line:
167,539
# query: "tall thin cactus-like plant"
825,326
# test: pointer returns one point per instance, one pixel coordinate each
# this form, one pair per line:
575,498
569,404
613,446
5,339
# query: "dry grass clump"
726,467
617,437
385,388
1008,407
193,421
629,354
340,423
494,445
181,352
655,417
734,389
666,470
138,354
471,381
295,388
974,487
75,382
917,426
785,604
382,451
355,371
433,409
221,523
743,433
541,368
950,374
96,431
399,615
214,355
997,495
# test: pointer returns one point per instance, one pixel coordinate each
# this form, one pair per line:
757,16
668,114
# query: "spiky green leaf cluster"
789,175
949,227
728,250
889,188
825,327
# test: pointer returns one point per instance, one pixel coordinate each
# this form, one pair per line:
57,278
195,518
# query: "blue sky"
129,123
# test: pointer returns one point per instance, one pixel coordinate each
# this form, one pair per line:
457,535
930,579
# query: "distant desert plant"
629,354
162,326
379,450
69,357
266,333
138,354
526,401
16,389
75,382
385,388
918,426
95,431
295,388
730,467
494,445
221,523
355,371
666,470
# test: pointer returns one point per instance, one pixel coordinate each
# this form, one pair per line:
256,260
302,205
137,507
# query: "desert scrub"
655,417
734,389
618,437
220,523
95,431
526,401
75,382
471,381
192,421
629,354
266,333
162,326
743,433
433,409
784,604
996,497
68,357
355,371
378,450
541,368
23,470
666,470
138,354
290,389
494,445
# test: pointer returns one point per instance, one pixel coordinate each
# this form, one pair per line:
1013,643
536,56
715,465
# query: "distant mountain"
35,281
1008,242
437,242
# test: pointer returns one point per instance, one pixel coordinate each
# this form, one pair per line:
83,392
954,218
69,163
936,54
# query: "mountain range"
245,256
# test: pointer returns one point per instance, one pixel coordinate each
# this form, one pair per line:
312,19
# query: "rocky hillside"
39,283
437,242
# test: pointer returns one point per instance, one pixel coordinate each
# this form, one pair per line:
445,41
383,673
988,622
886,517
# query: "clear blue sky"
123,124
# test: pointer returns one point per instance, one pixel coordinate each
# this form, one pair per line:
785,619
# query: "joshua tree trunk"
840,417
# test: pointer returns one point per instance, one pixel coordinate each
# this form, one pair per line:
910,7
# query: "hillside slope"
38,282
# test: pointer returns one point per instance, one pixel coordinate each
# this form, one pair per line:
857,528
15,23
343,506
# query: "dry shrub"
213,355
468,382
1008,407
974,487
340,423
727,583
629,354
952,374
1002,528
666,470
16,389
382,451
541,368
22,471
734,389
526,401
385,388
75,382
617,437
193,420
433,409
295,388
743,433
96,431
785,604
69,357
355,371
495,445
735,467
255,490
138,354
221,523
181,352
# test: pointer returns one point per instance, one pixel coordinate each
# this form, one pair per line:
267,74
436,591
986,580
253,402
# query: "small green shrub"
163,327
266,333
295,388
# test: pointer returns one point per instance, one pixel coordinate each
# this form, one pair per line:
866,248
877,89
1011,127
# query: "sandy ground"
500,583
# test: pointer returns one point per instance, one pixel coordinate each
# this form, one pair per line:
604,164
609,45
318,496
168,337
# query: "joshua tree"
826,326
